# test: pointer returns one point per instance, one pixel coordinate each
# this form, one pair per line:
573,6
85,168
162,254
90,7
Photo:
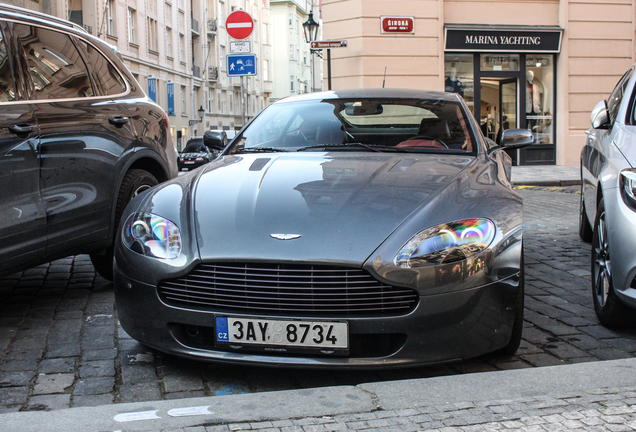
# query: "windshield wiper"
346,145
260,150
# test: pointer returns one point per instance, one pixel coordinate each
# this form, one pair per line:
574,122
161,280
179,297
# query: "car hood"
322,207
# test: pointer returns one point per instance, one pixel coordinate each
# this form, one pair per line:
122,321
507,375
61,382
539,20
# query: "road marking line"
135,416
190,411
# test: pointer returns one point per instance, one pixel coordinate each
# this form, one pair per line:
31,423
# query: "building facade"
177,51
536,64
291,53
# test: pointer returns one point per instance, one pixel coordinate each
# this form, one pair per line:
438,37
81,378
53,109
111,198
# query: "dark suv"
78,139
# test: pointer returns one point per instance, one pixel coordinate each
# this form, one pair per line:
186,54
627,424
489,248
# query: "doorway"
499,106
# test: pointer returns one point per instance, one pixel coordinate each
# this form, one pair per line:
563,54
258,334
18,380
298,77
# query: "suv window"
54,63
109,81
614,101
7,89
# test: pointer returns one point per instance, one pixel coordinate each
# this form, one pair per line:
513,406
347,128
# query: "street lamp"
311,34
201,112
311,28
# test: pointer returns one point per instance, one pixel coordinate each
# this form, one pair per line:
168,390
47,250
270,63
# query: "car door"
81,138
594,154
22,217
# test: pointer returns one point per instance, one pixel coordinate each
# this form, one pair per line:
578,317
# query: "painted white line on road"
190,411
135,416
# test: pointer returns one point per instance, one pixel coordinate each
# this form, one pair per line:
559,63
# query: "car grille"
286,289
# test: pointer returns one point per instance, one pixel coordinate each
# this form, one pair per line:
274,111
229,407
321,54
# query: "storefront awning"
508,38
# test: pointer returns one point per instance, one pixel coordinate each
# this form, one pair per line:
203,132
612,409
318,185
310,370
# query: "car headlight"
446,243
628,185
152,236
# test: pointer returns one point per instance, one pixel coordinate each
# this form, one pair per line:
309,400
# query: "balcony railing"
195,25
212,26
196,71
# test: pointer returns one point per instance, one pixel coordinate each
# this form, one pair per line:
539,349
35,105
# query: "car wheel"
585,227
517,325
135,182
609,309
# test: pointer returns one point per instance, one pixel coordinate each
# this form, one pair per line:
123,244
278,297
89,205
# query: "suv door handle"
22,130
118,121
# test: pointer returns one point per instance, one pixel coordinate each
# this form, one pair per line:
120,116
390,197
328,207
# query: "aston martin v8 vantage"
346,229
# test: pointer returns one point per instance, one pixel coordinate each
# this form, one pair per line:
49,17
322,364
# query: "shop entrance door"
499,107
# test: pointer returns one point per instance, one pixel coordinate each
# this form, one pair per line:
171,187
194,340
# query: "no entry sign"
239,24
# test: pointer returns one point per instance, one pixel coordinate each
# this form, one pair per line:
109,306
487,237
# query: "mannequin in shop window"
534,101
534,95
452,84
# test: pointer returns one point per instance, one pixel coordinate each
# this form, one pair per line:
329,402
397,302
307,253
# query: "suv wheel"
135,182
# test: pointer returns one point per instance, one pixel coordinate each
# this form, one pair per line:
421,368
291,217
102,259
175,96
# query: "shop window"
540,97
459,76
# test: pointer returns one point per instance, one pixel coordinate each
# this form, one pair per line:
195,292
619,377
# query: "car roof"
373,93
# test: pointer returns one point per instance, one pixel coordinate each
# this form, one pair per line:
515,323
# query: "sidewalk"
598,396
546,175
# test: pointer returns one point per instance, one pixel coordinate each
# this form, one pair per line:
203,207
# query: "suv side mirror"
600,116
516,138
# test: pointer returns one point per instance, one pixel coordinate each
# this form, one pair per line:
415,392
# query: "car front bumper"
443,327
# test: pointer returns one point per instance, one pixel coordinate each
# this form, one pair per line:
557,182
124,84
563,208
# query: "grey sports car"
355,228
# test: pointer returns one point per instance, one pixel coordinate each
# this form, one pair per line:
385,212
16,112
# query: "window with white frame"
153,36
223,102
168,42
265,70
184,106
292,84
132,18
291,51
110,18
210,100
291,20
265,34
181,47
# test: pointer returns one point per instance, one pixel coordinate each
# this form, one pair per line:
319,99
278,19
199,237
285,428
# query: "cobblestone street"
62,346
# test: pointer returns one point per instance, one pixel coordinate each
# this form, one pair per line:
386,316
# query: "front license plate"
283,333
189,162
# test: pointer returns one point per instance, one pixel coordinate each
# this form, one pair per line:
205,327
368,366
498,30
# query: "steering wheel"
297,134
426,137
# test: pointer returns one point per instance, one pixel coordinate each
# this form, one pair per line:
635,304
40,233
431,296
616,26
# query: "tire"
585,227
135,182
610,311
517,325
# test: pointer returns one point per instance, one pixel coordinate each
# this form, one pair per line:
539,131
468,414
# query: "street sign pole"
329,68
328,44
242,103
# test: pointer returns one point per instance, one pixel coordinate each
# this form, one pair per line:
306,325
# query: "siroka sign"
239,24
397,24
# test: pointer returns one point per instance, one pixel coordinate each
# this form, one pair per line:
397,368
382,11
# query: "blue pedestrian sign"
241,65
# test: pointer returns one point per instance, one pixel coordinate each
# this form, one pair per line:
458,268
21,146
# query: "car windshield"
194,146
405,125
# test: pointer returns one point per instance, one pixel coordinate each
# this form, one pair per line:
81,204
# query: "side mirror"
214,141
516,138
600,116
